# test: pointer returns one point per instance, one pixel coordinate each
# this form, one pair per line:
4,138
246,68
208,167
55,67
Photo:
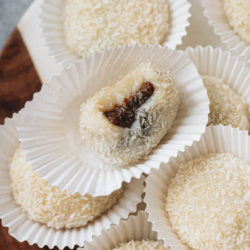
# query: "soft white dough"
49,205
125,145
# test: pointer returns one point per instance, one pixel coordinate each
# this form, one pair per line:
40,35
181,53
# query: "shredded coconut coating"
142,245
238,14
208,203
93,25
226,106
153,119
47,204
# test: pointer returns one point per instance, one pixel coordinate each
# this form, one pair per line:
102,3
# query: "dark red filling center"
124,115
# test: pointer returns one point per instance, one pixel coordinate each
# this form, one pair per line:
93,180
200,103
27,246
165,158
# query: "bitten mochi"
47,204
142,245
226,106
208,202
124,121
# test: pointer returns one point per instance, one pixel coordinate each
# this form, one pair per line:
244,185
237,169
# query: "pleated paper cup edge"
13,232
56,78
58,243
148,195
139,172
67,62
183,31
200,51
245,53
115,230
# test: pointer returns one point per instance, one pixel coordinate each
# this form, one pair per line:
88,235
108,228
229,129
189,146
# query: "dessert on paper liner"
230,20
227,81
205,184
72,28
36,212
55,127
134,233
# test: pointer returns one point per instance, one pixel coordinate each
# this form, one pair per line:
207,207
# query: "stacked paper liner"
48,126
24,229
215,62
135,228
52,28
217,139
218,19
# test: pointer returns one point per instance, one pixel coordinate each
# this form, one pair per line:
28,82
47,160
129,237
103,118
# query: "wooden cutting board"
18,77
18,82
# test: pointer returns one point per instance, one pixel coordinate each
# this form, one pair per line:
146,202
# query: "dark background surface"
10,70
10,13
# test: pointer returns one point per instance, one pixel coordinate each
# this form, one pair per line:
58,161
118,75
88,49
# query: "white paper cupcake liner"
24,229
217,139
52,28
135,228
218,19
48,126
215,62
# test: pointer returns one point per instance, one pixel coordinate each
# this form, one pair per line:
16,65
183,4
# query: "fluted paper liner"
217,139
135,228
215,62
24,229
48,126
218,19
52,28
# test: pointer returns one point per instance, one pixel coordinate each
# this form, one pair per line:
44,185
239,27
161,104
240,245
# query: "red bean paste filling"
124,115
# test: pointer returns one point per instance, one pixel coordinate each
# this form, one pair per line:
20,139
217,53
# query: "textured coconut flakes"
208,203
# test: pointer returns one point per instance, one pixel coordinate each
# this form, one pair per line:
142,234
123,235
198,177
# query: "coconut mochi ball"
226,106
93,25
142,245
238,14
125,120
208,203
48,204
